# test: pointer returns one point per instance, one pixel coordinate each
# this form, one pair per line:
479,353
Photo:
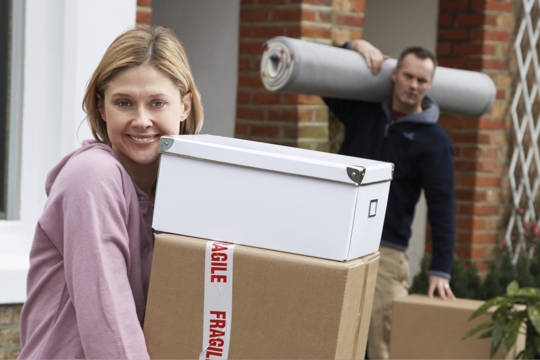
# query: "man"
403,129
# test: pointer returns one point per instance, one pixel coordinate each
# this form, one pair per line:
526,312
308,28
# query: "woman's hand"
374,57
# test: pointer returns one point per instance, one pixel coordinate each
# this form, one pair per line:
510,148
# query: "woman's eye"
158,103
123,103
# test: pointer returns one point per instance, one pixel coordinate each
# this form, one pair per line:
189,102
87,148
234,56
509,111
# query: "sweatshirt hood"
87,145
429,115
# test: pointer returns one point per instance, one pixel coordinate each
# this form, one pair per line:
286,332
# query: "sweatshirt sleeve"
437,169
96,260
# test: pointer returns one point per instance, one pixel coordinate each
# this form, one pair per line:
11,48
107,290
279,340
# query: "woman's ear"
101,107
186,105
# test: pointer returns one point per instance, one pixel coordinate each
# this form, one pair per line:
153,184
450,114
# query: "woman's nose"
142,119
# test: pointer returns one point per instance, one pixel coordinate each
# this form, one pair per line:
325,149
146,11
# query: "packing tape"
218,291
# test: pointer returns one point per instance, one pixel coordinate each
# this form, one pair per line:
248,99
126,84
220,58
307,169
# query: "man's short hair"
419,52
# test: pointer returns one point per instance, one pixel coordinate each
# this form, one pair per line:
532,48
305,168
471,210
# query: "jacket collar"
429,115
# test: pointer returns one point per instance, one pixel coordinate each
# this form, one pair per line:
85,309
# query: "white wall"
393,25
208,29
63,43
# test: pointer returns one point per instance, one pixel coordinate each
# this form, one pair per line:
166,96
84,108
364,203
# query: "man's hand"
442,285
374,57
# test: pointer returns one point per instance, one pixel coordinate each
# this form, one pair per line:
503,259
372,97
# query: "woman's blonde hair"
143,45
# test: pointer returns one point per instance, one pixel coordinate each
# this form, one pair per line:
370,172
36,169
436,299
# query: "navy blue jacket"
422,154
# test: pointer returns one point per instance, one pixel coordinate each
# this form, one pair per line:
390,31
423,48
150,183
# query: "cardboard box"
274,197
283,306
424,328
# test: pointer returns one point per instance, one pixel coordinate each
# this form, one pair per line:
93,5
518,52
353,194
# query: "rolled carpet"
302,67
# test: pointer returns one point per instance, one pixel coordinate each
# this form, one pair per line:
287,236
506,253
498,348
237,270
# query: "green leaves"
511,331
476,329
534,315
513,309
512,288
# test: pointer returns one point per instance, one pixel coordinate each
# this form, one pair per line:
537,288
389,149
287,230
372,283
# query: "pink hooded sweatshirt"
90,262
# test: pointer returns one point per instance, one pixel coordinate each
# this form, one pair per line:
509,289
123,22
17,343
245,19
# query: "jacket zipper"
387,126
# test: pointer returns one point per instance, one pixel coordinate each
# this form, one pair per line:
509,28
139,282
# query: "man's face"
412,81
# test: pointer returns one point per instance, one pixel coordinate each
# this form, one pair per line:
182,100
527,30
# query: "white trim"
15,110
62,42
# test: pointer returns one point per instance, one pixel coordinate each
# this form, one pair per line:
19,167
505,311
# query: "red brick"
244,64
469,138
493,35
144,17
264,130
468,166
245,31
144,2
317,2
250,114
456,63
487,64
286,15
473,49
452,5
308,15
268,32
470,195
247,48
254,15
470,152
454,34
469,252
451,122
486,181
479,209
310,100
475,238
443,49
240,129
490,154
474,20
483,123
501,95
350,20
445,20
492,5
356,35
293,31
291,132
325,16
270,2
316,32
242,97
246,2
470,224
359,5
283,115
291,99
266,98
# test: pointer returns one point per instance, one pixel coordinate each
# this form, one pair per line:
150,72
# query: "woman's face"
141,104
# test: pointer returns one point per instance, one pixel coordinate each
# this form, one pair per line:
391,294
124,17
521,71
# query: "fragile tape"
218,291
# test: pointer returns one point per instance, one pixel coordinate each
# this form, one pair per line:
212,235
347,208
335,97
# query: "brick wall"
9,331
288,119
476,35
144,11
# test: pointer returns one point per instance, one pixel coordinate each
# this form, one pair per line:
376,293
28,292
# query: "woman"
92,251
